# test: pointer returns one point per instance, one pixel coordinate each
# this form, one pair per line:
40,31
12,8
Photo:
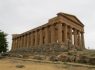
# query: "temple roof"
70,17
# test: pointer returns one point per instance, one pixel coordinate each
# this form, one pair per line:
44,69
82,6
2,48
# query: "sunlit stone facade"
62,29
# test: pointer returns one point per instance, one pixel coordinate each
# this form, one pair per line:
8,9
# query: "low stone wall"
41,49
45,49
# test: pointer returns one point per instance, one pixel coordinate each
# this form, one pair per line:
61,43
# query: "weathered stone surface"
84,59
39,57
92,60
62,33
63,57
53,58
20,66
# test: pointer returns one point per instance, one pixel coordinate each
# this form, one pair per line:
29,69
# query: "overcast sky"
18,16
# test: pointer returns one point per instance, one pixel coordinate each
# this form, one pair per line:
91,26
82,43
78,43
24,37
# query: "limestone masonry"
64,29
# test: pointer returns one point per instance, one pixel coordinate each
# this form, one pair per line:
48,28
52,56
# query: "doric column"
31,39
49,34
65,34
82,40
46,35
24,44
36,38
59,32
70,34
13,44
21,41
52,33
27,40
75,37
16,42
79,40
41,37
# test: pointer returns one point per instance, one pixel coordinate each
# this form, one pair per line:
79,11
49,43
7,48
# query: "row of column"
57,33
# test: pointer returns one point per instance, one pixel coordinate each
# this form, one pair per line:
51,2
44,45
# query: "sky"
18,16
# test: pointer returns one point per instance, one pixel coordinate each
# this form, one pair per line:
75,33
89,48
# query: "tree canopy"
3,42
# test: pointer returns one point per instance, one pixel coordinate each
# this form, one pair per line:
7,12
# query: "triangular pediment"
71,18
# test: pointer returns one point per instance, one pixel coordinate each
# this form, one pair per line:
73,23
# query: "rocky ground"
13,63
67,60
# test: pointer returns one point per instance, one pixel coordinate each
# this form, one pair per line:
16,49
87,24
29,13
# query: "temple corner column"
82,40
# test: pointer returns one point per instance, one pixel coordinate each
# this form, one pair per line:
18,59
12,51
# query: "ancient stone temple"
64,29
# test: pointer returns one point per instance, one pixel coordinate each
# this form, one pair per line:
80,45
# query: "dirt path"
10,64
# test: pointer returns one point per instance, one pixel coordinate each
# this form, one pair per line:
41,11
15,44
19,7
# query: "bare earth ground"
11,63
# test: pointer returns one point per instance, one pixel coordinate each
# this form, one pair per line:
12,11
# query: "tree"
3,42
